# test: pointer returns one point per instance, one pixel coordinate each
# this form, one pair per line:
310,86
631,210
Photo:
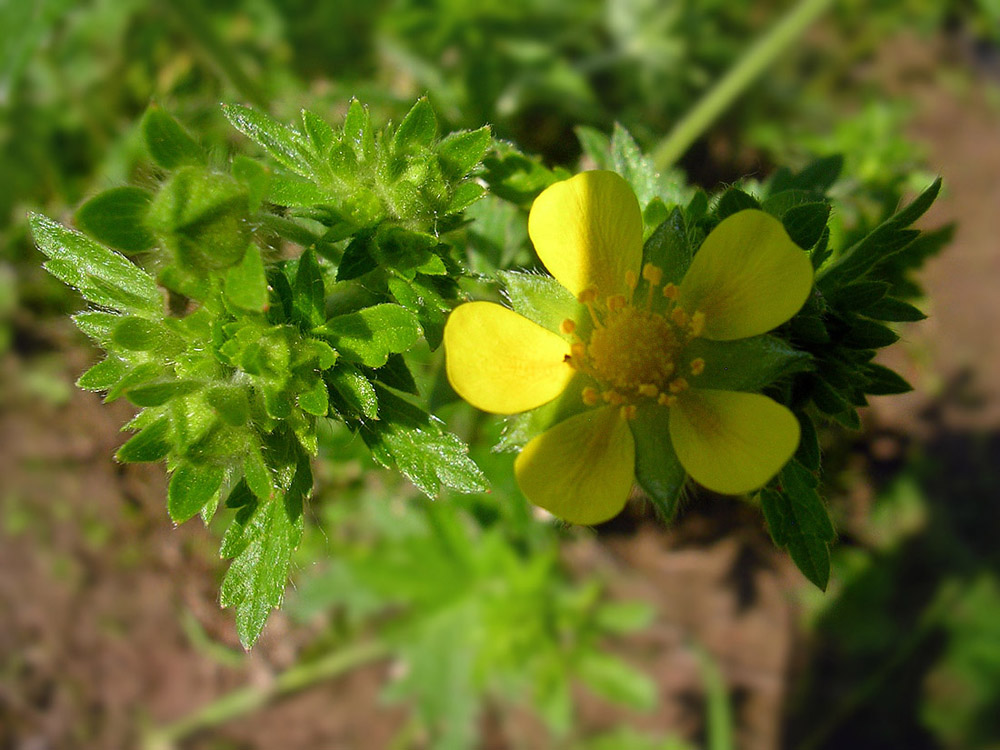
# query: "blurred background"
469,622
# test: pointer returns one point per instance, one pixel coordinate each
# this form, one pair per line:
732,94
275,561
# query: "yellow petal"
581,470
588,232
501,362
732,442
748,277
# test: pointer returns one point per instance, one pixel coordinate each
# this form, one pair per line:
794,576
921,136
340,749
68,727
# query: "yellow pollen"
652,274
613,397
567,326
634,347
617,302
587,296
629,411
590,396
665,400
679,317
648,389
631,280
678,384
670,291
697,366
697,324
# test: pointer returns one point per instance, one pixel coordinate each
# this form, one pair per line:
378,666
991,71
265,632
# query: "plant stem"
754,62
244,700
196,24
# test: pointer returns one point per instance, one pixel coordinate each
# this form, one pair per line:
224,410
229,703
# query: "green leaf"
857,296
103,375
463,150
321,135
805,223
265,535
808,453
465,195
821,174
657,468
246,282
370,335
310,292
745,364
355,390
632,164
136,376
882,381
255,176
894,310
137,334
288,190
798,521
151,444
358,131
615,680
101,275
596,145
358,258
168,142
158,393
539,298
314,400
418,128
396,374
117,217
191,487
867,334
414,441
284,145
733,201
230,403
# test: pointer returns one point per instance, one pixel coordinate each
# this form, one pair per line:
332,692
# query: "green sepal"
191,487
310,291
141,335
520,428
668,249
798,521
808,453
745,364
285,145
657,468
371,334
158,393
135,377
117,218
867,334
314,400
596,145
857,296
152,443
629,161
733,201
541,299
884,382
805,223
230,403
168,142
894,310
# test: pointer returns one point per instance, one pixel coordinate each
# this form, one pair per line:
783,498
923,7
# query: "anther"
631,281
697,323
648,389
577,350
590,396
587,296
617,302
652,274
697,366
679,317
613,397
629,411
671,291
666,400
677,385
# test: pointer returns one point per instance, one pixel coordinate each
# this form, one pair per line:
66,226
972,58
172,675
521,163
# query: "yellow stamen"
617,302
665,400
587,296
631,280
613,397
629,411
652,274
679,317
678,384
671,291
567,326
590,396
577,350
648,389
697,366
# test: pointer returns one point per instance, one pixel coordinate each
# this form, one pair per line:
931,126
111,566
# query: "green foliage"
233,356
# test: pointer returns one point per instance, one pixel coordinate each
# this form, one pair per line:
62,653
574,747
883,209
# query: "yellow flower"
747,278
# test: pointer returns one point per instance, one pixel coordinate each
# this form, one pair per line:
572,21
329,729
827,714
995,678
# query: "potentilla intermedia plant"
680,336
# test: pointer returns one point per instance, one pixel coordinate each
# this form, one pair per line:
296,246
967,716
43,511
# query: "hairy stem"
746,70
247,699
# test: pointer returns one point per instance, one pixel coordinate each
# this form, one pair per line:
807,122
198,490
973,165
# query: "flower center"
633,352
